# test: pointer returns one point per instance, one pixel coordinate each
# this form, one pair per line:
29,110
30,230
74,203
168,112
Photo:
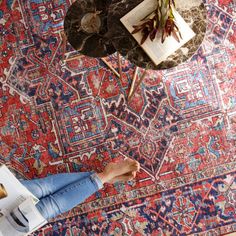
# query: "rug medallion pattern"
58,116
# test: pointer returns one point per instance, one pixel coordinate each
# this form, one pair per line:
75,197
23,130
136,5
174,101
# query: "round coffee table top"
93,28
193,12
89,39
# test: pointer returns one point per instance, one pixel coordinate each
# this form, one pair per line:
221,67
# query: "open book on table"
156,50
18,214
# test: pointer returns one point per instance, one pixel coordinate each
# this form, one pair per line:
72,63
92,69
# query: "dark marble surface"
112,36
123,41
94,44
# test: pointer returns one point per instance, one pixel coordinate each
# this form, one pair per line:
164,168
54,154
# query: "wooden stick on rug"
139,82
119,64
75,57
63,43
110,67
133,82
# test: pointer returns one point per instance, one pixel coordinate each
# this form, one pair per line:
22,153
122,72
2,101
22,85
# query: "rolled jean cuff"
94,177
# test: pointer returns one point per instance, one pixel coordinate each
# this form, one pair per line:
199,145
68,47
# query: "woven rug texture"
61,116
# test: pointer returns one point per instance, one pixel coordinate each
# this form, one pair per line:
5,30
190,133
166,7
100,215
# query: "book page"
6,228
12,192
156,50
30,220
15,198
32,214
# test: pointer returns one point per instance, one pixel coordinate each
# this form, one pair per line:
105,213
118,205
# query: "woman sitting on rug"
61,192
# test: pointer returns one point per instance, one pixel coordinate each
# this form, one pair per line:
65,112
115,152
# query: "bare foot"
122,167
113,170
123,178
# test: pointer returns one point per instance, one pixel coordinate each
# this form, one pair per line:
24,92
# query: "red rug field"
58,116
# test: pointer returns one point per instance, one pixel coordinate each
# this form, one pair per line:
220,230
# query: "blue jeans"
61,192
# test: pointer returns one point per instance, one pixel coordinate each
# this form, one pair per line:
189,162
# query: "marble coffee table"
89,40
193,12
108,34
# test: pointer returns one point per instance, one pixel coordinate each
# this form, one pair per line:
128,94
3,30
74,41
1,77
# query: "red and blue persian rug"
58,116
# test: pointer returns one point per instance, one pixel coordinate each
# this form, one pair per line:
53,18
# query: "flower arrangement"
160,19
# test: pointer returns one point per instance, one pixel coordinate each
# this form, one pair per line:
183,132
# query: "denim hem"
94,177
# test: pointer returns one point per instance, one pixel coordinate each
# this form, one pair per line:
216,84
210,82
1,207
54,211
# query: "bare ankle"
104,177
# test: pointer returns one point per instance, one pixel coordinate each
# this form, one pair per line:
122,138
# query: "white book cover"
156,50
14,197
12,192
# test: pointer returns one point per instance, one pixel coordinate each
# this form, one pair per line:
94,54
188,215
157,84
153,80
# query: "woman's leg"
68,197
50,184
76,192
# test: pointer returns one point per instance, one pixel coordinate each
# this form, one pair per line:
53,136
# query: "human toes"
135,166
